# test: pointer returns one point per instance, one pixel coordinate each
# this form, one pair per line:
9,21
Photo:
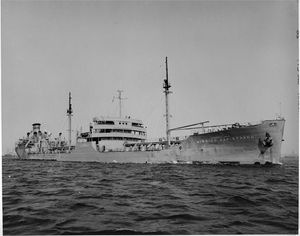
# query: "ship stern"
21,151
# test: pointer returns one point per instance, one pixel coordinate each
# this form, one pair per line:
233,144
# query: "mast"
166,86
120,101
69,114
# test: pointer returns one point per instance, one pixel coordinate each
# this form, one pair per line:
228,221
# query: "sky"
229,61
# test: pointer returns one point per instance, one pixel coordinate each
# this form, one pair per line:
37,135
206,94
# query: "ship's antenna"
69,114
120,101
166,86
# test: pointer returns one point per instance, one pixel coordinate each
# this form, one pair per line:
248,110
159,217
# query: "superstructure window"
119,131
123,123
117,138
105,122
137,124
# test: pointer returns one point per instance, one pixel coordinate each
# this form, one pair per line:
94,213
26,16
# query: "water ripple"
113,199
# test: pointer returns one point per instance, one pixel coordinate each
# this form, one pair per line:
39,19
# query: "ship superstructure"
38,142
111,133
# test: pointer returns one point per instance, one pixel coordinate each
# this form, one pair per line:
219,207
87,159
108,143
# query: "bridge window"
105,122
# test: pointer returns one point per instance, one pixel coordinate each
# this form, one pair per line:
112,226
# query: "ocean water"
48,197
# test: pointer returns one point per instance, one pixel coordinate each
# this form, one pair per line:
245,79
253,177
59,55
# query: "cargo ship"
124,140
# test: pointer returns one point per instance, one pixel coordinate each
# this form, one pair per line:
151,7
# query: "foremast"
69,114
166,86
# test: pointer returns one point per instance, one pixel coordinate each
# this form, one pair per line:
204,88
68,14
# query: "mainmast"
166,86
69,114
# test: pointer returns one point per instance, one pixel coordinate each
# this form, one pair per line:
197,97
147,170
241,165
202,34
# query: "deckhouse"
112,133
125,129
